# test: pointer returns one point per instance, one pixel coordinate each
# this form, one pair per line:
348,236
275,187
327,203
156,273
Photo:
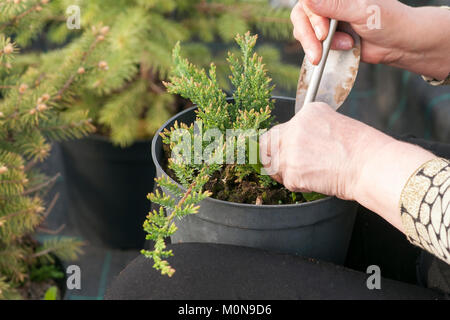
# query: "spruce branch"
7,292
35,89
64,248
21,217
51,205
52,232
39,187
14,20
43,103
4,219
100,37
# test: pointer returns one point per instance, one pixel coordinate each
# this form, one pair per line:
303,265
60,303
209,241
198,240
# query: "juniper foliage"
251,109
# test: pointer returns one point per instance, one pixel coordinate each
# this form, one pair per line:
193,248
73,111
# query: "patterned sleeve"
425,208
435,82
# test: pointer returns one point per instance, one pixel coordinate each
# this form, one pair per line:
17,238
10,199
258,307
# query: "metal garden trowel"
332,79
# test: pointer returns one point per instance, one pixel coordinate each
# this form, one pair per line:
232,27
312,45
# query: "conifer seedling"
250,109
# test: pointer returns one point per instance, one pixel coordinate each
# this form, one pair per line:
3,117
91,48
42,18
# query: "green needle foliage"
36,95
129,102
251,110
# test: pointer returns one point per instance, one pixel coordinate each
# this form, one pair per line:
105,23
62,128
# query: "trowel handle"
318,70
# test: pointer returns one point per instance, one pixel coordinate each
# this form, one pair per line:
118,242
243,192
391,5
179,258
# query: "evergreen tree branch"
52,232
51,205
63,248
41,186
72,77
37,7
4,219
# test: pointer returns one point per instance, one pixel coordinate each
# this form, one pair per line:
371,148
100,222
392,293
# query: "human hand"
415,39
324,151
318,150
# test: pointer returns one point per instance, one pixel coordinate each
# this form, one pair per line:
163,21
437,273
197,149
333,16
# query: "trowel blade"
338,77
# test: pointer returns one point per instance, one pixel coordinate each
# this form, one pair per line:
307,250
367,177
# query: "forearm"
426,45
384,175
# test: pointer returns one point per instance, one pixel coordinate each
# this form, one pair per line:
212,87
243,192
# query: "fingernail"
319,33
310,55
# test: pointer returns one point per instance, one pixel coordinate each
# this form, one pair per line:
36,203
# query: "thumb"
342,10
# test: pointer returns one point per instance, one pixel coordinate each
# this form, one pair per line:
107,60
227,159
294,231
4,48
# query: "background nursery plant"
128,102
200,178
35,89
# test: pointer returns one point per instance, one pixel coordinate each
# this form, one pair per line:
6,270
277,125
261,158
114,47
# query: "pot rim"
273,206
98,137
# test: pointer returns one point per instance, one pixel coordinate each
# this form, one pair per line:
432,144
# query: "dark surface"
106,187
375,242
232,272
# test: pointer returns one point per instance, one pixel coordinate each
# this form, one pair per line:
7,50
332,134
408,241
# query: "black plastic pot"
319,229
107,188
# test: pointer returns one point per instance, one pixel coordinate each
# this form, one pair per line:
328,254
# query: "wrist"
384,175
370,145
424,46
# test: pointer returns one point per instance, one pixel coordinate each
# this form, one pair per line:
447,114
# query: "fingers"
280,159
342,10
304,32
320,24
277,177
310,29
269,144
264,149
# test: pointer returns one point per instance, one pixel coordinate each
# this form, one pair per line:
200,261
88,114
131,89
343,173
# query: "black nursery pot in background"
107,189
320,229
